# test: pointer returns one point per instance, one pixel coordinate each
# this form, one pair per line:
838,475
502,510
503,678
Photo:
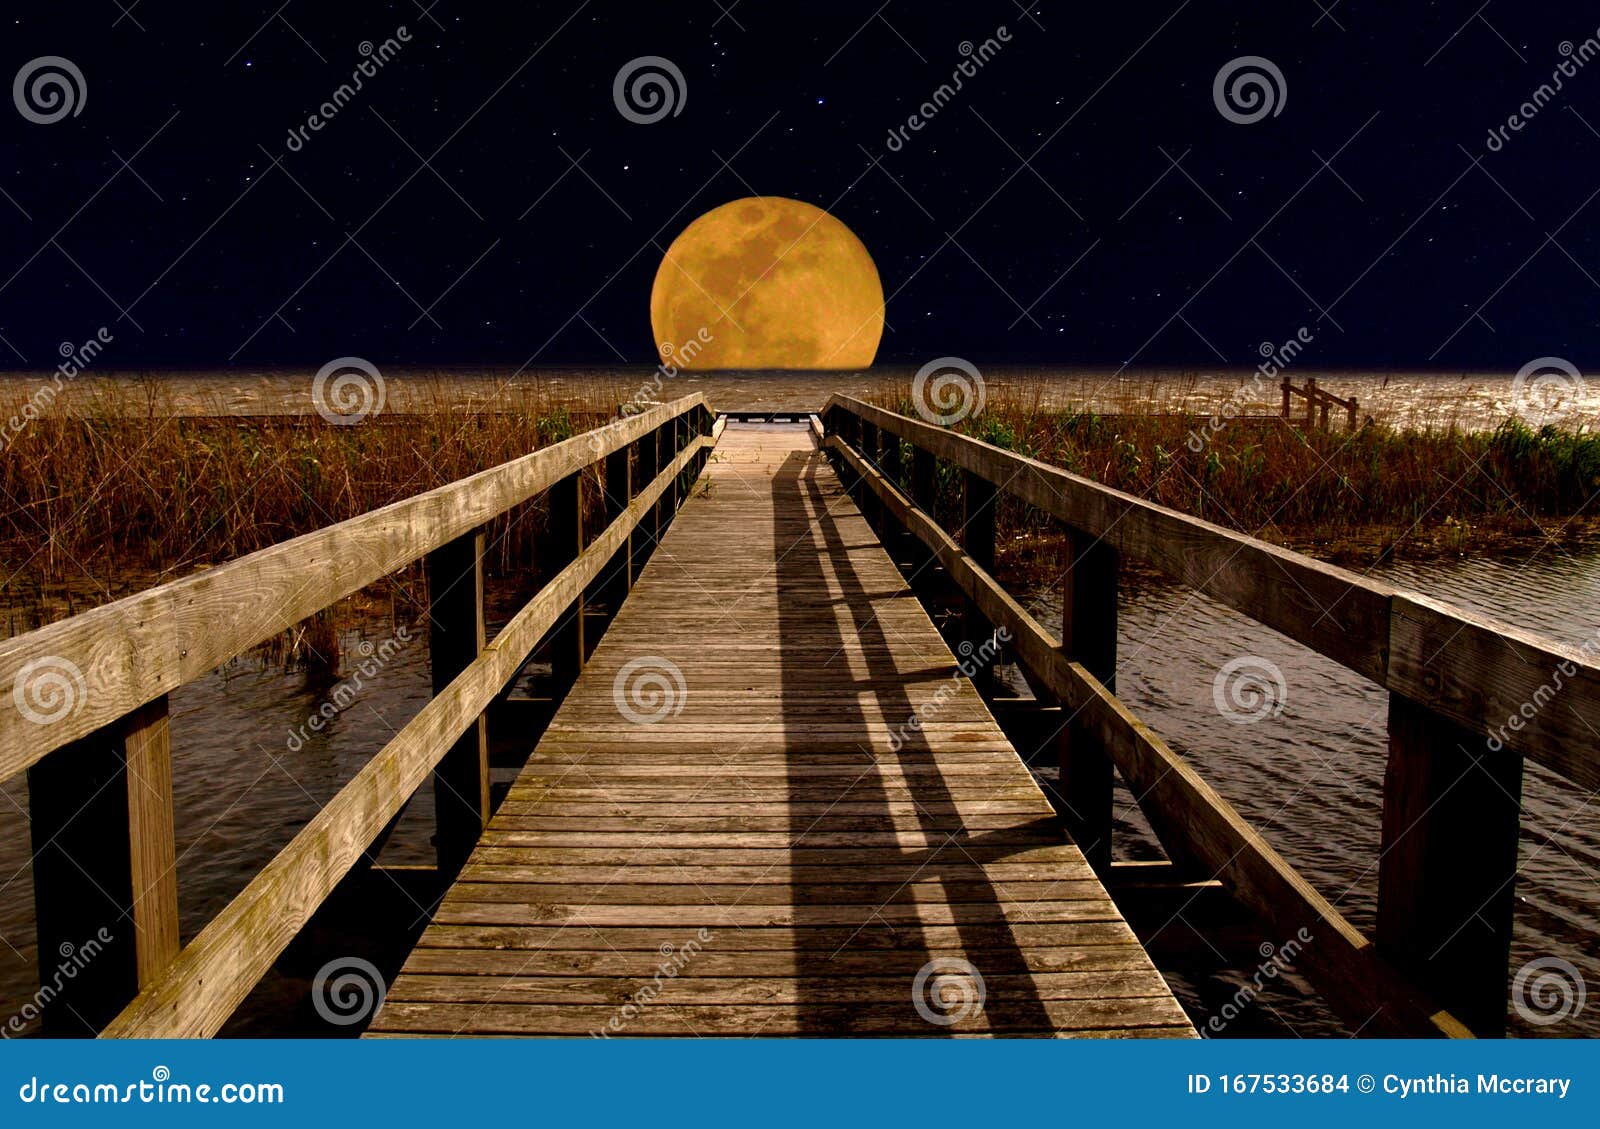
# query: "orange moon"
767,282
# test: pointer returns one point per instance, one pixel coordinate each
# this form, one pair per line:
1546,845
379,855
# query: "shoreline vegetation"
124,493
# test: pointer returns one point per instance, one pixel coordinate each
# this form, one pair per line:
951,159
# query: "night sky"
534,231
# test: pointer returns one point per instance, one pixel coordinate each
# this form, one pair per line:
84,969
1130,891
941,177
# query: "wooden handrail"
1193,822
199,990
1469,697
96,748
1476,671
132,651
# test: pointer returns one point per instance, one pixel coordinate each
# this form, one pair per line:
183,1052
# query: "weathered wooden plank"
780,811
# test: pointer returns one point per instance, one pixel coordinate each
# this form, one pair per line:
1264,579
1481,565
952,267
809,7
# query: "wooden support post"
1286,387
618,578
1451,819
565,543
1311,402
977,541
1350,410
645,535
1089,637
456,636
865,498
105,882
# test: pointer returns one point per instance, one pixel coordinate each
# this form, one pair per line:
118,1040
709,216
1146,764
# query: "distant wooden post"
456,637
1311,402
1451,817
105,882
1286,388
1350,410
977,541
1089,637
565,542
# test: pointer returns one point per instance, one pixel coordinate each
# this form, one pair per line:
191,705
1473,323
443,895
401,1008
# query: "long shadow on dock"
814,582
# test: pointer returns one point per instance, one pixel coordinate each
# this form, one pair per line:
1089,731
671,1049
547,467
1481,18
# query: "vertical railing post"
565,543
1311,403
1451,823
1088,637
104,869
456,637
618,495
1285,386
866,499
649,528
977,541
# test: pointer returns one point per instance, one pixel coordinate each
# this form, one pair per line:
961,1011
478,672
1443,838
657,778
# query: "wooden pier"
773,800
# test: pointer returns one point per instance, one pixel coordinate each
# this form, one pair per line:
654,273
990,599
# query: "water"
1468,400
1310,779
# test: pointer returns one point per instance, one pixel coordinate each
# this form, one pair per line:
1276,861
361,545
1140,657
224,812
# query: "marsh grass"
1425,488
123,493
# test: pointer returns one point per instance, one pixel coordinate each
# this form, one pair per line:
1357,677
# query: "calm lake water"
1308,778
1467,400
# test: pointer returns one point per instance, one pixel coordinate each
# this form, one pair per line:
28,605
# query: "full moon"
767,282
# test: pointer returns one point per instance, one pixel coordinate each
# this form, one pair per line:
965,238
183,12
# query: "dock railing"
91,723
1319,401
1469,699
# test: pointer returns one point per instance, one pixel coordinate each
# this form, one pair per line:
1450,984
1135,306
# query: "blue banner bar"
801,1083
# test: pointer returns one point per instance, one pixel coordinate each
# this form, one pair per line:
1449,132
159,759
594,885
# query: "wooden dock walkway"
731,827
769,803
